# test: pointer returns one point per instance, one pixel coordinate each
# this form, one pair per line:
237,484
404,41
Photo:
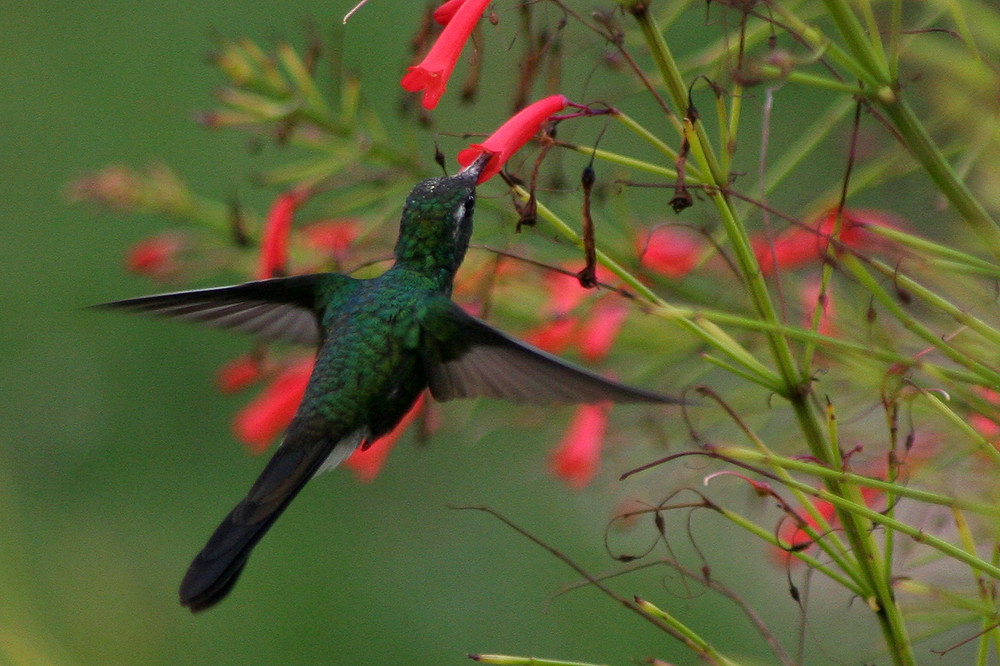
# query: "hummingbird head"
436,225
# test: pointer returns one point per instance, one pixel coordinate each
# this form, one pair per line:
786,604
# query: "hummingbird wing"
466,357
304,451
282,309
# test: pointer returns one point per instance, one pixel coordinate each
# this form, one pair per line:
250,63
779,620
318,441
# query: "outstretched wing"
278,309
466,357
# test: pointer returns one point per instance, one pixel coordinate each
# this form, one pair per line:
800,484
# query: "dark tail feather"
214,571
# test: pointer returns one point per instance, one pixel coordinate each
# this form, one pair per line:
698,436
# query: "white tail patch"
343,449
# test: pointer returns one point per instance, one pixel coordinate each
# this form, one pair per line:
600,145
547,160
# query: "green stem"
760,459
939,169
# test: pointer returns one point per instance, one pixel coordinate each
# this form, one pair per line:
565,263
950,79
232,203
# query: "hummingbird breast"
368,370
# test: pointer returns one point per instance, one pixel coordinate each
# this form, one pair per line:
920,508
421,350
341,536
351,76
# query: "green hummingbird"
381,342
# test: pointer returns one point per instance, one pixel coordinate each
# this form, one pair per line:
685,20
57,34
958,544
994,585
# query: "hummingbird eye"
464,209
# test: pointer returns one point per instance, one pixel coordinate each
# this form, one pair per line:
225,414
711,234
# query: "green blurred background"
116,455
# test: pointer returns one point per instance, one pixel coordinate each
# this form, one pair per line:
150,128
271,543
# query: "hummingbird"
381,342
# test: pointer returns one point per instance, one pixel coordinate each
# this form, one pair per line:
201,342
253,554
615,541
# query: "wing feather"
282,309
467,357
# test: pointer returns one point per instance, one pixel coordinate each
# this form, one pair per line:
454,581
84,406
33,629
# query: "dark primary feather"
281,309
469,358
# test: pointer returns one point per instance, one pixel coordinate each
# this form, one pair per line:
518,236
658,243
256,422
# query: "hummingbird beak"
477,166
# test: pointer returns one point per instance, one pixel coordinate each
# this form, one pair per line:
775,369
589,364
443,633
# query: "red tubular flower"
432,74
513,134
257,424
802,245
238,374
274,242
155,257
578,456
367,463
599,330
446,12
668,251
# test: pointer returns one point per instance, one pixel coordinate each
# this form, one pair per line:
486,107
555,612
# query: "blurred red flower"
155,257
260,422
809,296
984,425
274,240
669,251
600,329
578,456
332,237
800,245
367,463
796,539
238,374
555,335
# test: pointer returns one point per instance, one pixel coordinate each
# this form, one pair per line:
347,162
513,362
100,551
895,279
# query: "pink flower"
802,245
366,463
512,135
668,251
155,257
444,13
274,241
238,374
257,424
433,72
599,330
578,456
